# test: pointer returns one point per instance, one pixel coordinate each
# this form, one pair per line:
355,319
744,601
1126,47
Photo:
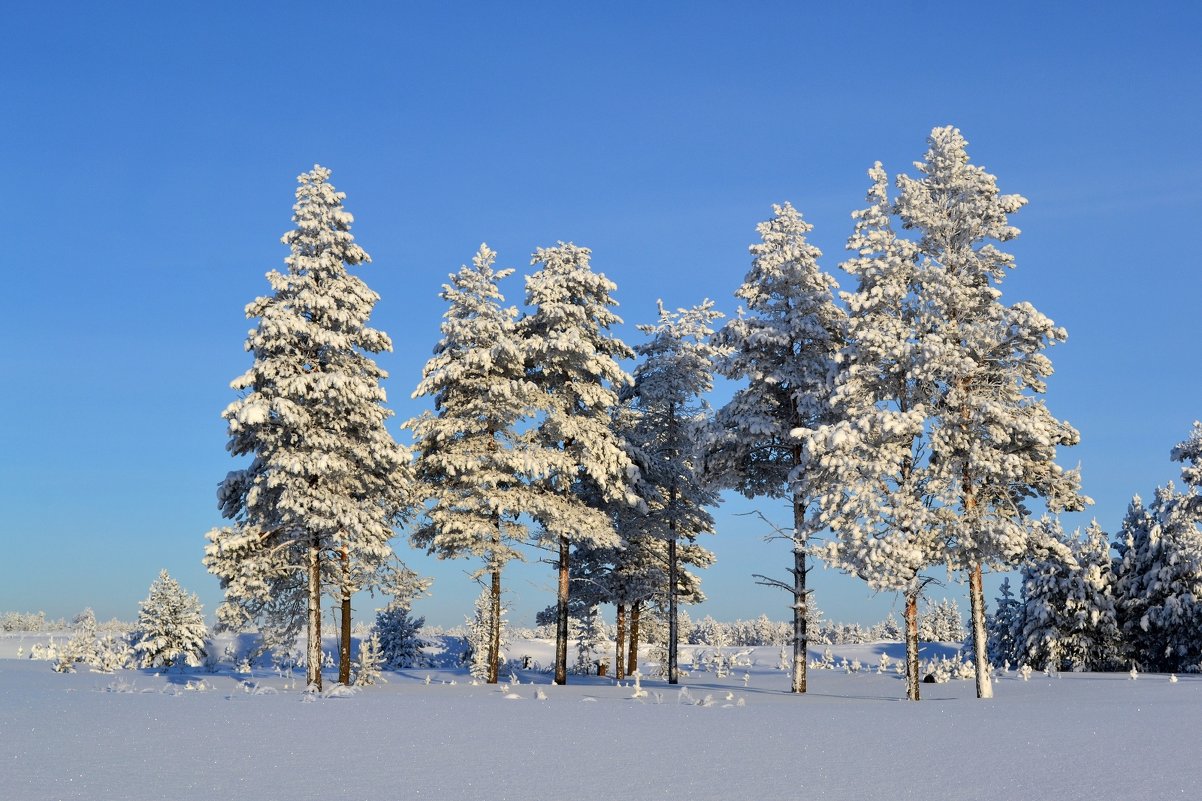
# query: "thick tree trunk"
673,617
561,616
800,601
912,685
494,627
313,653
619,644
632,659
976,594
344,632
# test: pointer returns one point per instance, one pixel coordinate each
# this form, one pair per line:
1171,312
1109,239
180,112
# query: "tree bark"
632,659
344,638
619,644
313,653
976,594
912,681
800,601
494,627
561,616
673,619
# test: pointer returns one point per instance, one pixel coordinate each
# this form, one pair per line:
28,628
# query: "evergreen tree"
1189,453
1068,619
870,459
572,361
171,627
1158,582
675,370
471,456
316,506
1004,627
481,627
397,634
993,440
784,348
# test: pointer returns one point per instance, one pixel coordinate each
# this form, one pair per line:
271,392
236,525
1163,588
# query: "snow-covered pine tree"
315,508
471,456
367,671
1189,453
784,347
869,461
992,439
589,636
171,627
481,627
398,641
1158,582
674,371
1004,627
83,645
1068,618
572,360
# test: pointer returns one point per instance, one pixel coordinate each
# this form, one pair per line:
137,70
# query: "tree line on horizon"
904,417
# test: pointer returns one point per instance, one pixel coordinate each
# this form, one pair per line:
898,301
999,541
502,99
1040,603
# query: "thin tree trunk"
494,627
313,656
344,639
800,601
912,686
632,659
561,616
976,594
673,619
619,644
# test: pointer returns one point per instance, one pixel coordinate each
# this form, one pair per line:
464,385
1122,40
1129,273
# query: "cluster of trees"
1101,605
904,417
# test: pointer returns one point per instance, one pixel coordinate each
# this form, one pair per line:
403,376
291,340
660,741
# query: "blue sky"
151,151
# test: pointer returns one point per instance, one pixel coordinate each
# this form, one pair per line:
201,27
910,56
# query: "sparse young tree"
171,627
317,504
572,361
471,456
783,346
992,439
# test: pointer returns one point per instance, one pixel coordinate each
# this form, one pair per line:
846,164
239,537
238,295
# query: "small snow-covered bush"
171,626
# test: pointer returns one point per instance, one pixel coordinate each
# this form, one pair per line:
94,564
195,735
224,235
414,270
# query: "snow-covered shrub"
171,627
82,646
400,645
113,652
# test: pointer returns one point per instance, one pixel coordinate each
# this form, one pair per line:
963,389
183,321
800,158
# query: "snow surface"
144,735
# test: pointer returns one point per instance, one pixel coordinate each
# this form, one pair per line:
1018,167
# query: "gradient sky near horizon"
151,152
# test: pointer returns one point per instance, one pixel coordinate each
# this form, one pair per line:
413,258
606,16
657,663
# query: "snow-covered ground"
193,735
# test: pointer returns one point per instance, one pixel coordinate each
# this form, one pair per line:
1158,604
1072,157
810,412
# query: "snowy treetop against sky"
651,138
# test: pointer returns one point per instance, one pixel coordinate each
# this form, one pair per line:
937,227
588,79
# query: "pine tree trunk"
632,659
561,616
912,685
976,594
673,619
800,601
313,654
494,627
619,644
344,639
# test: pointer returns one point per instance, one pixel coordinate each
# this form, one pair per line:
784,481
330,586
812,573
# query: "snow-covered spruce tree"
83,645
868,462
783,346
674,371
572,360
171,627
1189,453
481,628
1158,582
1004,627
1068,618
471,456
589,636
398,640
316,506
992,439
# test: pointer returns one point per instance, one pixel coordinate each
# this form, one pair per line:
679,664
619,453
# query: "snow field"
142,735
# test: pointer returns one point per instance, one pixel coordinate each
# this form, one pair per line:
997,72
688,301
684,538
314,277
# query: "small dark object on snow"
929,678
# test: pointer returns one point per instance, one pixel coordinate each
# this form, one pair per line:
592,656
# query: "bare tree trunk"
561,616
632,660
976,595
313,654
619,644
344,638
494,627
673,620
800,601
912,690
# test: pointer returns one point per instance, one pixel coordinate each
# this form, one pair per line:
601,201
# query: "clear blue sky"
151,150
